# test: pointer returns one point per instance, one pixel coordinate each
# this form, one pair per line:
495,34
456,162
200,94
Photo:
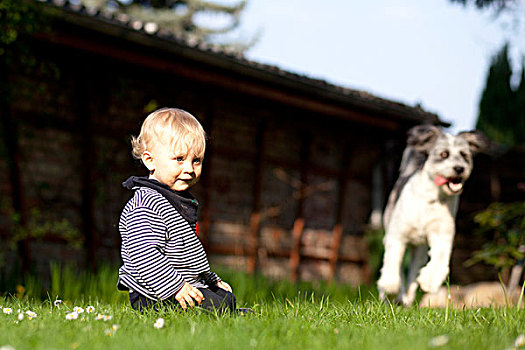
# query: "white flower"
99,317
78,309
57,302
6,347
31,314
107,318
440,340
520,341
159,323
20,316
72,316
90,309
112,330
7,310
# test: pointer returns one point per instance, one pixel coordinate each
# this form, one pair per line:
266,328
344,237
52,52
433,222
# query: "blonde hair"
171,126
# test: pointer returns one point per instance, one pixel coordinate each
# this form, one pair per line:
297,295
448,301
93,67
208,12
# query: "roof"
150,35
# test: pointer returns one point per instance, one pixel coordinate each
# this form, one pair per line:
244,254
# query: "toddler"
163,260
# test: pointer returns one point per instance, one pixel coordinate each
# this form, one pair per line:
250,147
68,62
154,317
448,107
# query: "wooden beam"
298,227
205,225
218,78
337,232
255,218
228,249
295,253
334,250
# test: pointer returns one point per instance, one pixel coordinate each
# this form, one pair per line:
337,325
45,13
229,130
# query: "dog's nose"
459,169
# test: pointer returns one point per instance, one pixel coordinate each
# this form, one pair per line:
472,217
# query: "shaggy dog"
422,207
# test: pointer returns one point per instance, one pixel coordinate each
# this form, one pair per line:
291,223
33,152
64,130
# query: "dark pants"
215,298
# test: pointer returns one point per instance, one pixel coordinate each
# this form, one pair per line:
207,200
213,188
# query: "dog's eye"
444,154
464,155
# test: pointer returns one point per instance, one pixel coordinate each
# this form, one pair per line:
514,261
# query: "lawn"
287,316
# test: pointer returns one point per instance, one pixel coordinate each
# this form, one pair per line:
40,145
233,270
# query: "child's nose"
187,166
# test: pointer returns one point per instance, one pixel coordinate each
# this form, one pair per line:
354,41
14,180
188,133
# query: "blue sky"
430,52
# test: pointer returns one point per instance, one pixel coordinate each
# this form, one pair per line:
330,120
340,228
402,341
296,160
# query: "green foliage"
376,249
503,225
253,289
37,227
16,17
482,4
518,110
69,284
40,225
211,22
501,113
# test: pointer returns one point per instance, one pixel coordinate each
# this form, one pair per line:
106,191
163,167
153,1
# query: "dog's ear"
477,140
423,137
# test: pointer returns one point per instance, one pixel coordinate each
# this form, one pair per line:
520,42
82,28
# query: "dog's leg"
432,276
419,258
390,280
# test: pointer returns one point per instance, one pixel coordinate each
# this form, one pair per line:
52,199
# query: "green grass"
287,316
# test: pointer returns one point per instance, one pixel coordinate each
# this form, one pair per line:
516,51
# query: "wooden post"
253,242
255,219
298,227
205,224
337,232
295,254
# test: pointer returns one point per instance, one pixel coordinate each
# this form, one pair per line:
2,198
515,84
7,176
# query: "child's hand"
187,294
225,286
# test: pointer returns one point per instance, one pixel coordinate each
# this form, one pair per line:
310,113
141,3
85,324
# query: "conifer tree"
519,110
497,106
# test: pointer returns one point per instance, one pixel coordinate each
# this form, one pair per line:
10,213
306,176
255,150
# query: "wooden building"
294,168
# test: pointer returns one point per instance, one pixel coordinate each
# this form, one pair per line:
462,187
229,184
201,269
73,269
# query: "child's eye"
197,160
179,159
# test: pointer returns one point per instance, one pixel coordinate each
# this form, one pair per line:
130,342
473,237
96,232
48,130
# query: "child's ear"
147,159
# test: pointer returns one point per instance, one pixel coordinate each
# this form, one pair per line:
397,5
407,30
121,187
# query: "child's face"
178,168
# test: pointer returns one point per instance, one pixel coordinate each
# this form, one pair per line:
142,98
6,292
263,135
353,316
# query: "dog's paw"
407,298
388,285
430,280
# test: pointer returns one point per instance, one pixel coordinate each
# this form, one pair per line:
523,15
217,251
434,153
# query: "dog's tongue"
440,180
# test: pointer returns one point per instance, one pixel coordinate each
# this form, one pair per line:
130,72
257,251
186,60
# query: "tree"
195,20
519,109
494,106
508,12
498,4
502,109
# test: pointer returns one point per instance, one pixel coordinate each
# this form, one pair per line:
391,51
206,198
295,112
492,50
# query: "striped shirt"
160,249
